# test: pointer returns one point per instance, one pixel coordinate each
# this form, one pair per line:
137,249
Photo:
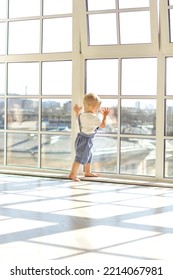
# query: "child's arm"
105,113
77,110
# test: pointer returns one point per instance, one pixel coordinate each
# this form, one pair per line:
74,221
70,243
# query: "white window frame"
159,48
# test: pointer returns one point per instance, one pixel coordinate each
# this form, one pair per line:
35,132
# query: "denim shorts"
83,148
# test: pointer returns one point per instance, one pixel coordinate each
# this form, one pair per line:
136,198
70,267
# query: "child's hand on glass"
77,109
105,111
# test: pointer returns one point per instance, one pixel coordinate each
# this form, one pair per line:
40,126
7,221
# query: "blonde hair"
91,99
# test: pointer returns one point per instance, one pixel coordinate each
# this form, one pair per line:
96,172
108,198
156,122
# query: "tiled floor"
48,219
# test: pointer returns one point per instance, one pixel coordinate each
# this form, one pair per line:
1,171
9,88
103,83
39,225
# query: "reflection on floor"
49,219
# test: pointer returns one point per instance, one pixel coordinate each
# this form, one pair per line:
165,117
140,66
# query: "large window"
129,90
53,52
35,88
28,109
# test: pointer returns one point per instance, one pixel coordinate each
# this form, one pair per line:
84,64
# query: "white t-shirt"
89,122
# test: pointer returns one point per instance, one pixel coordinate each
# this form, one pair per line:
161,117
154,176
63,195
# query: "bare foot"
91,175
74,178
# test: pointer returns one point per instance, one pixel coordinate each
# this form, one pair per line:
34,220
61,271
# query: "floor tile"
49,219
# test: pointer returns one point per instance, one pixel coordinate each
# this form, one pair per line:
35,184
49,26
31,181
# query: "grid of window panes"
36,93
36,26
39,33
102,78
118,22
36,83
136,102
23,114
128,143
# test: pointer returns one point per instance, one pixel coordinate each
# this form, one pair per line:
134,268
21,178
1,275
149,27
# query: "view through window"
110,47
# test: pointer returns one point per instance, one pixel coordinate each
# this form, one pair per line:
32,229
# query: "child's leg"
88,172
74,170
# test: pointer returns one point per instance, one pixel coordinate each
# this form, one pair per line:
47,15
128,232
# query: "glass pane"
23,78
170,2
138,116
52,7
169,80
102,29
27,8
135,27
112,118
1,113
53,35
57,78
22,149
102,76
133,3
2,78
22,114
170,25
56,114
24,37
54,148
168,158
138,156
101,4
104,154
1,148
3,38
169,118
3,9
139,76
